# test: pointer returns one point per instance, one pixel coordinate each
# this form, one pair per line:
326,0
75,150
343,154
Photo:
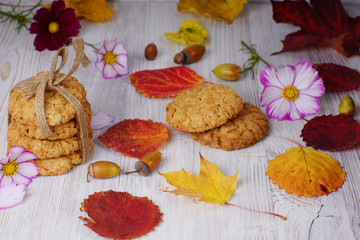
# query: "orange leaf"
306,172
119,215
135,138
165,82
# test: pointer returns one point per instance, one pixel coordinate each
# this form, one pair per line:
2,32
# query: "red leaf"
165,82
323,23
338,78
119,215
135,138
331,133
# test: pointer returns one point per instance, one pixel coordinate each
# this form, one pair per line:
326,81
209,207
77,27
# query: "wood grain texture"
52,205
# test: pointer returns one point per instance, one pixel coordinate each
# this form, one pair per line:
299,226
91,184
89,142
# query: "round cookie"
58,110
62,131
247,128
59,165
43,148
203,107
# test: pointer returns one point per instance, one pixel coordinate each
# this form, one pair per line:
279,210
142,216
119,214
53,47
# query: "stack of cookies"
216,116
61,151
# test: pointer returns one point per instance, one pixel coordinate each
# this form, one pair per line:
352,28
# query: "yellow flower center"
10,168
53,27
290,93
110,58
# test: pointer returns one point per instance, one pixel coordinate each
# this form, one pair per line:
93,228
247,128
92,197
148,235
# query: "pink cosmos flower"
17,168
11,195
291,92
101,120
112,59
54,27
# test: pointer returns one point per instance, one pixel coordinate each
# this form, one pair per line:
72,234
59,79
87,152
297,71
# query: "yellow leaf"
210,185
92,10
190,33
306,172
219,9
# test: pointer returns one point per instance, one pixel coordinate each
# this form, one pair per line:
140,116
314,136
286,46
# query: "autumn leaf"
338,78
210,185
190,33
218,9
135,137
92,10
119,215
165,82
323,23
306,172
331,133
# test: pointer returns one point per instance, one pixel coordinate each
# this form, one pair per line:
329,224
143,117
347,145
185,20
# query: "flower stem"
91,45
274,214
251,50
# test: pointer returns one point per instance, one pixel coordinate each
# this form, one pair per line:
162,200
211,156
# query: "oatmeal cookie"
59,165
58,110
43,148
203,107
247,128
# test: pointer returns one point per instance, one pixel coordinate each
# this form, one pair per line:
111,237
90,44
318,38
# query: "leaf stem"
274,214
285,139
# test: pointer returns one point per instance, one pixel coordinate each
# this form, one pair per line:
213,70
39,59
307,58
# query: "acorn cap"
141,168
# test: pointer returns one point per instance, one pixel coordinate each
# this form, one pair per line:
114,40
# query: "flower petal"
268,78
307,105
109,72
269,94
28,169
43,15
4,160
15,152
20,179
100,65
102,120
286,75
305,75
100,51
121,66
11,195
279,109
26,156
4,180
109,45
119,49
56,8
317,89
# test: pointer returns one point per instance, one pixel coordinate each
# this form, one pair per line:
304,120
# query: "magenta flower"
291,92
17,167
102,120
112,59
54,27
11,195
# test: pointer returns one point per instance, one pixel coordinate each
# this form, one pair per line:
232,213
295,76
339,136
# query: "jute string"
49,81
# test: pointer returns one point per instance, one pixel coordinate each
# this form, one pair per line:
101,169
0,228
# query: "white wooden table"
52,205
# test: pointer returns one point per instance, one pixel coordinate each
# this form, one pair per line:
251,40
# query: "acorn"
190,54
150,51
347,106
103,169
147,163
227,71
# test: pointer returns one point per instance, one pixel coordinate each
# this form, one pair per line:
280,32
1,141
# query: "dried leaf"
190,33
119,215
218,9
92,10
306,172
331,133
323,23
338,78
165,82
135,137
210,185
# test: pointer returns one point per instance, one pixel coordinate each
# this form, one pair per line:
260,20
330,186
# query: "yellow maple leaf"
219,9
190,32
92,10
306,172
210,185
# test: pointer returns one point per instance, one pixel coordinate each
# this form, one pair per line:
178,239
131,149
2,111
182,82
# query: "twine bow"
48,80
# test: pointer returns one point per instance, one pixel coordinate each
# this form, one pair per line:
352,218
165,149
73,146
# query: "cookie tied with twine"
49,80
